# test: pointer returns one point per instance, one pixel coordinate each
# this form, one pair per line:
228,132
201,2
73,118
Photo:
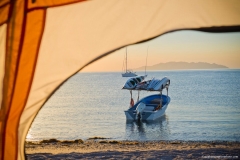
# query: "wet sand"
109,149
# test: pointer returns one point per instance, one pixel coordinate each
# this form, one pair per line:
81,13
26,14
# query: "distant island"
182,66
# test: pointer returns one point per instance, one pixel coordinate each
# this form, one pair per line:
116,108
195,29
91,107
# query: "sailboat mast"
126,59
146,61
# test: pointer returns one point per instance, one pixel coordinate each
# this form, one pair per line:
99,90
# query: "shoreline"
105,148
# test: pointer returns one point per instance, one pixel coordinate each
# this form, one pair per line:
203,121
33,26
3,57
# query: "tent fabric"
14,40
49,41
2,56
25,72
4,2
37,4
4,9
11,63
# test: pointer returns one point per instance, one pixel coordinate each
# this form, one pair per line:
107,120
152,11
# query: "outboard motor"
141,106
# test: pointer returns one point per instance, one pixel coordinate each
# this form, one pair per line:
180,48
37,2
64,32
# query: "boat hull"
149,114
129,74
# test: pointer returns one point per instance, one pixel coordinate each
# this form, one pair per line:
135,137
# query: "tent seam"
4,5
35,61
58,5
17,69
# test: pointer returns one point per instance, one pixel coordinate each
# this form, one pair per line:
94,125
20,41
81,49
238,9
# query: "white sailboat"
128,73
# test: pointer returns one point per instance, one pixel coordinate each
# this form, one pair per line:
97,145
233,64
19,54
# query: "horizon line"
164,70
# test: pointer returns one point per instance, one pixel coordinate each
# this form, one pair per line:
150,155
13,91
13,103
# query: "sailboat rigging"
128,73
146,62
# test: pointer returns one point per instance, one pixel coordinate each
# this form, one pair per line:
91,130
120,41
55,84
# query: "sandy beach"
111,149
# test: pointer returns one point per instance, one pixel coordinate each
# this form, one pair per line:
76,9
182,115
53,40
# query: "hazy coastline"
182,66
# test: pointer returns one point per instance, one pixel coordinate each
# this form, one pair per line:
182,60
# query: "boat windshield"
139,80
135,80
132,82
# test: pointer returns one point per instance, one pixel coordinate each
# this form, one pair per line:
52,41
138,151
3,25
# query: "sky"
184,46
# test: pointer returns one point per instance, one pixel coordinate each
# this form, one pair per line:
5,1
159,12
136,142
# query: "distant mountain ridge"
182,66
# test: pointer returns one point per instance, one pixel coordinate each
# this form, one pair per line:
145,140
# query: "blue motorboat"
150,107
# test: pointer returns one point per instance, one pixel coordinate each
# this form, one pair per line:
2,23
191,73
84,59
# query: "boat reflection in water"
148,130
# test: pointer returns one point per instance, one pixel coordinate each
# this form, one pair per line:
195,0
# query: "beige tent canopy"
43,43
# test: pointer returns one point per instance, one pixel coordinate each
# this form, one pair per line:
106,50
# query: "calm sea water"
205,106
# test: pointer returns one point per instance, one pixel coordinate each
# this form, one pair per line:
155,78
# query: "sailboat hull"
129,74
